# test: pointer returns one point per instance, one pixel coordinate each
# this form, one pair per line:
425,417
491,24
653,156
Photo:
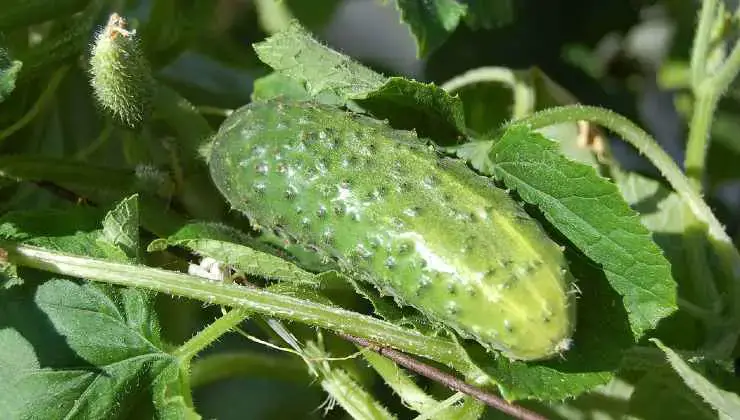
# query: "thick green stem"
702,40
256,300
726,74
209,334
707,92
698,142
524,95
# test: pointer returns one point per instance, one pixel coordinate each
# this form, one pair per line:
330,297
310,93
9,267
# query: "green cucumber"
387,209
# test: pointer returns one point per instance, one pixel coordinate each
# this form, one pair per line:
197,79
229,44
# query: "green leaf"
278,85
431,21
670,220
121,227
658,390
9,70
66,40
76,349
326,73
423,107
216,242
172,26
18,13
66,172
295,53
726,403
489,14
25,226
81,351
591,213
75,230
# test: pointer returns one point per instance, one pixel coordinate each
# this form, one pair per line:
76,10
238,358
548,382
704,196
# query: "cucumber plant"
203,200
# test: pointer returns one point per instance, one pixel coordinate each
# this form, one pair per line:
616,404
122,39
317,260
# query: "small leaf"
726,403
278,85
413,105
121,226
591,213
295,53
9,70
325,74
431,21
198,238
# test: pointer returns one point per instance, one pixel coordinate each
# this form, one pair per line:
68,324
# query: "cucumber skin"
386,209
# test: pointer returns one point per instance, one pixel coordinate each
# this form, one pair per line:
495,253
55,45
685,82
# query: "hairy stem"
707,94
209,334
523,93
260,301
702,40
698,141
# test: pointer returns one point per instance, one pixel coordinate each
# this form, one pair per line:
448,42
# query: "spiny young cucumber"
388,210
120,75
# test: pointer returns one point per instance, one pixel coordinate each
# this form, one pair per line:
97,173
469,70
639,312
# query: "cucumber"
387,209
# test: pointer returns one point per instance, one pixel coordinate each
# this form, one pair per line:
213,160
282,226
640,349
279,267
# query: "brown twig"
445,379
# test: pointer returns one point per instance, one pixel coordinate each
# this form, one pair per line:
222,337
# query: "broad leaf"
431,21
81,351
670,221
325,73
658,390
591,213
726,403
76,349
